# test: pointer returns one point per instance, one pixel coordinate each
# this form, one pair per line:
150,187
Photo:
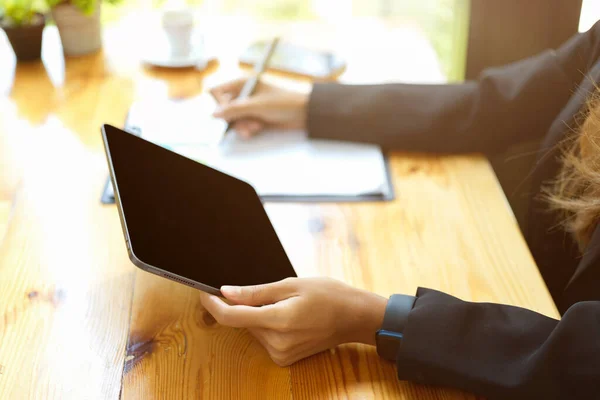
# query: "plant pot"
79,33
26,40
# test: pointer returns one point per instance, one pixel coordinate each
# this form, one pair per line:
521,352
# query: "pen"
259,68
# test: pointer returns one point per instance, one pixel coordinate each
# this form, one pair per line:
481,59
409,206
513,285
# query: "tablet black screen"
191,220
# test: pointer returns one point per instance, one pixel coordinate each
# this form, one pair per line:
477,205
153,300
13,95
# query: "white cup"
178,25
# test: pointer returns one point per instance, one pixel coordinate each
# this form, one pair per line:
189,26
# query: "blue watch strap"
396,312
389,337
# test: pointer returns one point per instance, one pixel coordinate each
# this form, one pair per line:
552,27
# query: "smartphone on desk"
297,60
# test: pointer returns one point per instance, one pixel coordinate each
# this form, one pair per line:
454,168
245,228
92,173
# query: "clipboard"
108,198
368,196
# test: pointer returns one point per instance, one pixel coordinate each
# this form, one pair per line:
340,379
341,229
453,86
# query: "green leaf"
20,12
87,7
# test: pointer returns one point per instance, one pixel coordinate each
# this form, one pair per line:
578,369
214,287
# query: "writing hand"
269,107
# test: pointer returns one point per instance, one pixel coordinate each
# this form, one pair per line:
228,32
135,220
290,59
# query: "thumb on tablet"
259,295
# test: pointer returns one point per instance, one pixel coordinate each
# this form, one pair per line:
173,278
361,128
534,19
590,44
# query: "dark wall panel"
502,31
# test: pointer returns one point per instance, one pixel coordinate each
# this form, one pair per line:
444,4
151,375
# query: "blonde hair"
575,192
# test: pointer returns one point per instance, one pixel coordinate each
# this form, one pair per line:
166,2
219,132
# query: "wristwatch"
389,337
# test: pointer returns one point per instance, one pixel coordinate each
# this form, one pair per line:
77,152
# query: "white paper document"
274,163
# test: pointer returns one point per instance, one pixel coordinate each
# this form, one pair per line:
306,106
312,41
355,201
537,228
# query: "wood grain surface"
5,208
78,321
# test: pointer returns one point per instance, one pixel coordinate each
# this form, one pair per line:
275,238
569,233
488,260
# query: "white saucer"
167,61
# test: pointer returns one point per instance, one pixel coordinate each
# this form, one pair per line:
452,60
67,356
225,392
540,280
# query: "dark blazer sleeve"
502,352
505,106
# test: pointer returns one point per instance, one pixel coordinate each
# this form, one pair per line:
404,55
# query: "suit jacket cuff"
325,112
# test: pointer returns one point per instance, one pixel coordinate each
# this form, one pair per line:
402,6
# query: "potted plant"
78,23
23,24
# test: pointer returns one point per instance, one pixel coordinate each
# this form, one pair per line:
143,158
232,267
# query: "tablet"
188,222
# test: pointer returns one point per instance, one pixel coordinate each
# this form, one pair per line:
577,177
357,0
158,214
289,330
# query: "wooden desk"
79,321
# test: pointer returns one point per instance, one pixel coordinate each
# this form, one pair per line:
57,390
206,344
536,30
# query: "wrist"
301,104
370,310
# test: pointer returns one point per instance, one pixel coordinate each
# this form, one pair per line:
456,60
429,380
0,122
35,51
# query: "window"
590,13
416,40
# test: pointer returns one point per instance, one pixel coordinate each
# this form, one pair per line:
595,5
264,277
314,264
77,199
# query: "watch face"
388,344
